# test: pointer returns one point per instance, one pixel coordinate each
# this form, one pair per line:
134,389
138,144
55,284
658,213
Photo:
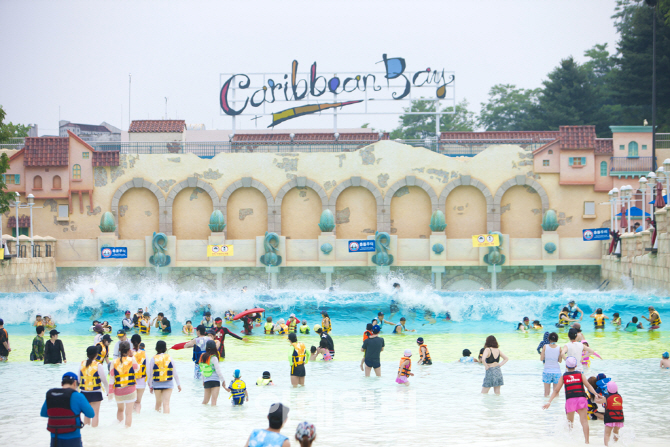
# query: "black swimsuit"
491,359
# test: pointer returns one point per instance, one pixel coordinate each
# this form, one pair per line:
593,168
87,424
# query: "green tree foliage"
10,130
421,126
509,108
6,132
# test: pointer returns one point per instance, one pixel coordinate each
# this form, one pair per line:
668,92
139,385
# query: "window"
63,212
644,147
12,179
603,169
577,161
545,162
84,155
37,182
22,231
632,149
56,182
622,147
76,172
551,151
589,208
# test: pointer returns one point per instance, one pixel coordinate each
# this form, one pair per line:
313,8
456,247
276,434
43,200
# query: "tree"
509,108
6,132
10,130
413,127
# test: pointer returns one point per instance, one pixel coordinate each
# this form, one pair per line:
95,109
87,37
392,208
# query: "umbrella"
660,203
624,221
635,212
665,197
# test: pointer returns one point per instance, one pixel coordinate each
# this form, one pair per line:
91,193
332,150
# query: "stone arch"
383,215
139,182
409,181
248,182
190,182
467,277
521,276
298,182
466,180
519,180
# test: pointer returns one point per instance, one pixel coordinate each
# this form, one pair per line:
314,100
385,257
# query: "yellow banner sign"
2,254
485,240
219,250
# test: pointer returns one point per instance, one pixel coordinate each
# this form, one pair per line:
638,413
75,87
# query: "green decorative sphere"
216,221
107,224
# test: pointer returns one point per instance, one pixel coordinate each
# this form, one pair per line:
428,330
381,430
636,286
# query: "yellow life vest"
563,318
405,370
123,372
656,321
162,368
599,320
90,379
263,382
103,354
143,327
304,329
325,324
237,388
269,328
291,325
284,329
298,359
141,359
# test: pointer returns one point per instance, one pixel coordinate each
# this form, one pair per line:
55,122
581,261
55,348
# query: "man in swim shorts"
372,347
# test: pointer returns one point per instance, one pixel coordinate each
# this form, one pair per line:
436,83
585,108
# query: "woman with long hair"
491,360
92,382
141,376
123,387
161,377
212,377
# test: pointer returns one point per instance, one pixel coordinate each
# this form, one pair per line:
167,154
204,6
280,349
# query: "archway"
355,213
138,214
300,213
191,210
383,217
466,180
246,214
135,184
193,183
519,180
465,212
521,213
248,182
410,213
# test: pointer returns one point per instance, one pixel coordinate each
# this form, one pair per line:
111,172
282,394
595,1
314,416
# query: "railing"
37,251
630,164
22,251
663,141
47,251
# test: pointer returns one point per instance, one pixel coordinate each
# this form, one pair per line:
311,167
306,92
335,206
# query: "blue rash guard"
78,404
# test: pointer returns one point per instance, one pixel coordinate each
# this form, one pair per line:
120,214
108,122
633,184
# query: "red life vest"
61,417
614,408
574,384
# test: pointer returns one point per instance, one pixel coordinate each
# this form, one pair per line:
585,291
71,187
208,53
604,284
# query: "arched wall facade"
140,183
466,212
248,182
519,180
191,182
521,213
466,180
410,211
191,209
303,220
383,216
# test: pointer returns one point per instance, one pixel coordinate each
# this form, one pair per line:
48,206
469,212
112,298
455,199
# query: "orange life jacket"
405,370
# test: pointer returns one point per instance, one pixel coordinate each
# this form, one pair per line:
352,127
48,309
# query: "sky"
71,60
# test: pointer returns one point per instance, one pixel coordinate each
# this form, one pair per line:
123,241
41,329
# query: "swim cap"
612,387
317,327
419,340
70,376
376,329
281,321
408,353
266,374
237,373
666,355
211,344
571,362
97,328
305,429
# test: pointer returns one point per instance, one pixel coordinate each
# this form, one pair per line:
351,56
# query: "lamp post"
615,195
31,203
652,190
17,203
643,189
625,194
611,194
652,4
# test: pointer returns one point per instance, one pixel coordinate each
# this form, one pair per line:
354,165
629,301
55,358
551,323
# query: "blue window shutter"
17,179
583,161
572,161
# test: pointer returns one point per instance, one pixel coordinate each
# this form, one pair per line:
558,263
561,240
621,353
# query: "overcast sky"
77,55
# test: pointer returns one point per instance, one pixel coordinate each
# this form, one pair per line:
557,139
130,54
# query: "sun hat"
571,362
408,352
305,429
612,387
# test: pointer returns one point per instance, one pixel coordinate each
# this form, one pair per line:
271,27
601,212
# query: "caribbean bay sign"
285,96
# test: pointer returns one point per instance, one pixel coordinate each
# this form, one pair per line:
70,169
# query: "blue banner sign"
596,234
114,252
360,246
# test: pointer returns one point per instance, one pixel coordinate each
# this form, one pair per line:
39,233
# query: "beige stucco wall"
140,218
603,183
301,211
553,157
623,138
356,215
465,212
76,157
410,213
247,214
577,175
47,175
191,211
521,213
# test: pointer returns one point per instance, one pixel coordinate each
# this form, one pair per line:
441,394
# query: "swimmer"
368,332
49,323
575,397
228,315
102,348
405,369
281,328
238,389
143,325
106,327
141,375
188,328
265,379
199,345
466,357
323,350
210,370
400,328
428,315
524,325
447,316
654,318
396,288
613,412
92,382
269,328
127,322
38,320
372,347
578,328
292,323
423,352
99,332
665,360
207,320
326,325
138,316
37,352
599,318
162,377
536,324
564,318
574,311
381,321
633,326
616,319
244,289
304,328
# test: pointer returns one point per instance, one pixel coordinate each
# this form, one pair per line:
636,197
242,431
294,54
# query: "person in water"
578,329
305,434
665,360
64,406
281,328
207,320
327,337
127,322
238,389
138,316
466,357
613,412
123,383
372,347
304,327
424,358
536,325
493,377
654,318
381,321
551,356
92,383
220,336
49,323
161,377
37,352
524,325
265,379
599,318
400,328
633,325
326,325
322,349
271,437
616,319
405,369
366,335
199,345
140,357
38,321
564,318
210,370
574,312
269,328
575,397
143,324
292,323
103,350
54,351
297,358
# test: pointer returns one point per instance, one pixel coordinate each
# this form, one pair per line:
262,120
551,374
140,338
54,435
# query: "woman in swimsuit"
491,359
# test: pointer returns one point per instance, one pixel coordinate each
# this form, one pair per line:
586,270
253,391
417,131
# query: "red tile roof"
46,151
105,158
546,146
24,221
604,146
367,137
502,136
577,137
157,126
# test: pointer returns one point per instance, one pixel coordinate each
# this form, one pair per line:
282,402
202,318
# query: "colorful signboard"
596,234
114,253
219,250
361,246
485,240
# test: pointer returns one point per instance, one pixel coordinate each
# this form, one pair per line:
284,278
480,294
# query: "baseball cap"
612,387
127,312
107,337
317,327
419,340
571,362
139,309
305,429
526,319
71,376
266,374
376,329
120,332
53,332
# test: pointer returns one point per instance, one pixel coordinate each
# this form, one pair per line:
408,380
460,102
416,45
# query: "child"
38,321
405,369
265,380
423,352
188,328
665,361
537,324
304,328
599,319
325,322
143,324
323,350
106,328
616,319
49,323
238,389
613,412
400,328
281,328
37,352
551,355
633,326
466,357
269,327
524,325
564,318
586,357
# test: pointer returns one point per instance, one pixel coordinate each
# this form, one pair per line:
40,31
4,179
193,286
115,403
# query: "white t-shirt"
575,350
